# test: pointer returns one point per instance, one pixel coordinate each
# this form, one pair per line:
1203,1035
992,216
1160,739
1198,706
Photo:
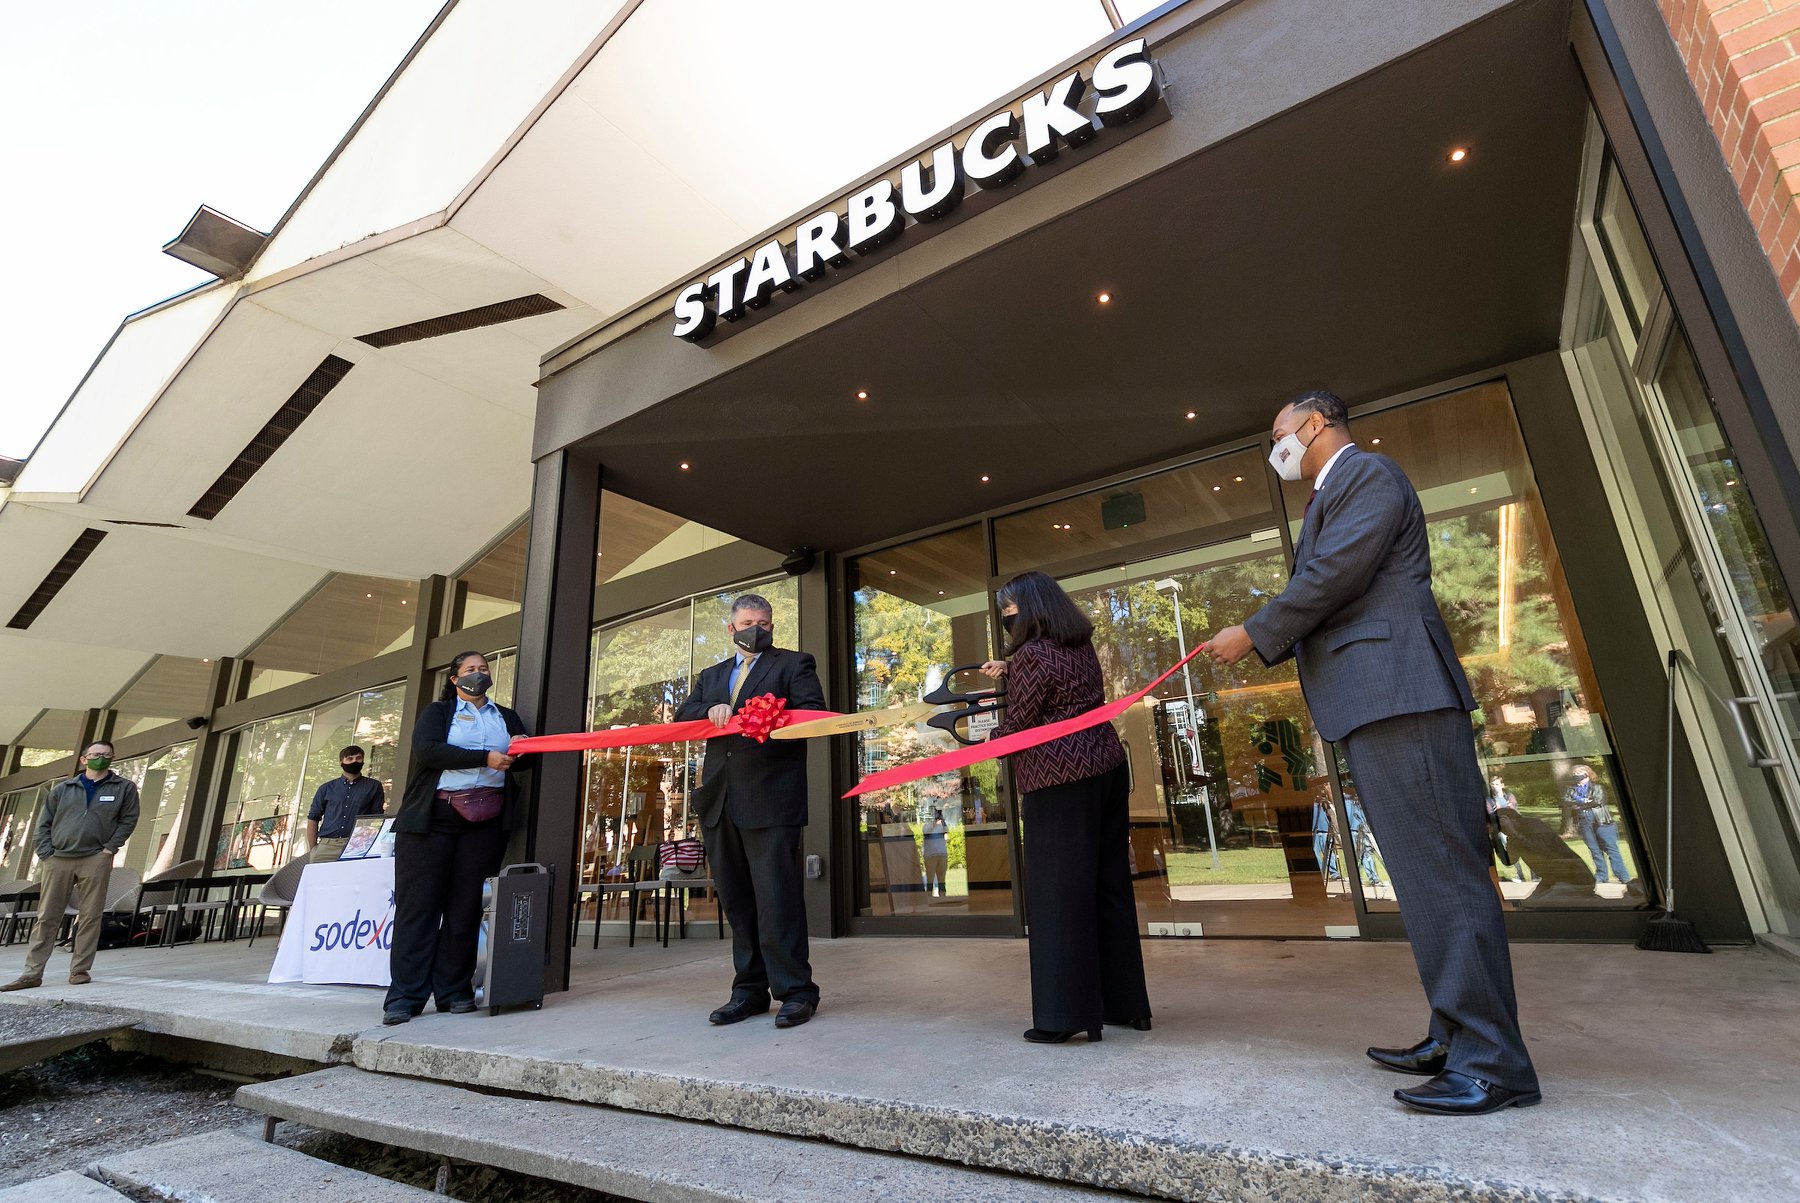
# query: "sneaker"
24,983
80,979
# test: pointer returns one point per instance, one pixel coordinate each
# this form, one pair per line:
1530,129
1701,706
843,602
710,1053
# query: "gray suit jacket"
1358,613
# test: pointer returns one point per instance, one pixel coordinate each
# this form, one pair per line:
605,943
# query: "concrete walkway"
1666,1077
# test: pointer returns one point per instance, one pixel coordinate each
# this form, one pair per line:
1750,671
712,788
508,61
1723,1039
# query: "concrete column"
428,624
206,780
551,694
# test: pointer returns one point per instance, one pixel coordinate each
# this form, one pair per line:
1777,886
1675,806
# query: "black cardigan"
433,753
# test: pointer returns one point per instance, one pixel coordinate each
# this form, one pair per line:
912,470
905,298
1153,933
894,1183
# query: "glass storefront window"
171,689
18,810
348,620
1194,503
1500,585
52,737
940,846
635,537
277,764
494,586
1627,250
162,781
642,670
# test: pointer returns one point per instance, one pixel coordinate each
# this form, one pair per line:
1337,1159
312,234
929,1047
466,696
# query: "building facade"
1543,247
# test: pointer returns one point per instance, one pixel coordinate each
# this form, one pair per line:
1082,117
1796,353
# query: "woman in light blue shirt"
462,801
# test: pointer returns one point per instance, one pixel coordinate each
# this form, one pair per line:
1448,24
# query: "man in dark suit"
1382,682
752,807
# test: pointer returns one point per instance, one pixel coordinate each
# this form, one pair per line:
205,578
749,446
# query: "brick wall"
1744,59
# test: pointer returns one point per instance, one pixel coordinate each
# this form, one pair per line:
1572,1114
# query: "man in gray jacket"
84,823
1382,681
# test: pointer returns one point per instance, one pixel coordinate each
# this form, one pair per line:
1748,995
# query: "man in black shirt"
339,803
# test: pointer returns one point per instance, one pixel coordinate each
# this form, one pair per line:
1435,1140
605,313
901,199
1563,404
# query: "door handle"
1752,756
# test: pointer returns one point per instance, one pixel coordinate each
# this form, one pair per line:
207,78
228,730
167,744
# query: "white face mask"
1286,456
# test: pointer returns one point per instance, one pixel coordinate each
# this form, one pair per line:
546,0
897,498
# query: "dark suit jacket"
756,785
433,753
1358,613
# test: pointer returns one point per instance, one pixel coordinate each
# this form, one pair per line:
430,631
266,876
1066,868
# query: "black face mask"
1006,622
353,767
476,684
753,640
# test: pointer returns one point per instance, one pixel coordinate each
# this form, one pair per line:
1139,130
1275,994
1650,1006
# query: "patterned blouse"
1046,683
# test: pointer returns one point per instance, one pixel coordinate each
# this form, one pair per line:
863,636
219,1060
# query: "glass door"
1698,538
1232,825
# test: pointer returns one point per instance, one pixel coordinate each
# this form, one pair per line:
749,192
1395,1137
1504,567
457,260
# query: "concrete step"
66,1187
629,1153
29,1033
233,1167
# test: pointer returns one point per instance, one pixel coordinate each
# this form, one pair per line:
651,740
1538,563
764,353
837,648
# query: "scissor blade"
862,720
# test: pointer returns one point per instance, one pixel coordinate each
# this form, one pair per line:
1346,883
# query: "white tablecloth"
341,925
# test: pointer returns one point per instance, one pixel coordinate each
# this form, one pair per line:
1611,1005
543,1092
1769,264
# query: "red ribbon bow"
759,716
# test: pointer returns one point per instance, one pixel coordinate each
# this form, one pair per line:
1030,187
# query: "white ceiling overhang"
586,150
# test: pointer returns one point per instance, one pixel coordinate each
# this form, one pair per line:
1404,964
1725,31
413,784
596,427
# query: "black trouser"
1420,784
757,870
1086,964
437,907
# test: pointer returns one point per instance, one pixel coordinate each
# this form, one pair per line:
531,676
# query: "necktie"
743,674
1307,508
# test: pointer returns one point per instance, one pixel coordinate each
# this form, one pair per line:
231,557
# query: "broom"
1666,933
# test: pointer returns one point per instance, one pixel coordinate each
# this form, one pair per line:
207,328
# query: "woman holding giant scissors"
1086,966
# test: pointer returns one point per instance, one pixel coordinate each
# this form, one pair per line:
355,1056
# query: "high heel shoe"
1040,1036
1136,1025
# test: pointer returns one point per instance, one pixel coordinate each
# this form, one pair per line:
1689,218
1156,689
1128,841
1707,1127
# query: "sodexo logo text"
356,933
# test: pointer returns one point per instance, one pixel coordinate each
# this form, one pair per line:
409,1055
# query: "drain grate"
52,584
468,319
295,410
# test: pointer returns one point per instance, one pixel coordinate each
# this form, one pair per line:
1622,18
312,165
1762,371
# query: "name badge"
107,798
465,718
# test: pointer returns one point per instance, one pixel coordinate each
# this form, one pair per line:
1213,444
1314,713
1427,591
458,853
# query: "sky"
121,117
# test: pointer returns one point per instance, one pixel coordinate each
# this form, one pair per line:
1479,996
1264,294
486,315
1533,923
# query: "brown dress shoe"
24,983
80,979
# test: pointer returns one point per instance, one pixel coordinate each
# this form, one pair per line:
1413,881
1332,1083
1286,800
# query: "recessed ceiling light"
684,465
1239,479
893,572
1459,154
1374,442
1473,490
1190,414
206,659
862,394
1216,488
368,595
1104,298
984,480
403,601
940,593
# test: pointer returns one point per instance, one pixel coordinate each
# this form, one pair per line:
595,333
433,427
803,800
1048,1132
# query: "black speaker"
800,561
1121,510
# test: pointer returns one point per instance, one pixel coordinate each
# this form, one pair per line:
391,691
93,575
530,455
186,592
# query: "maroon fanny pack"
475,805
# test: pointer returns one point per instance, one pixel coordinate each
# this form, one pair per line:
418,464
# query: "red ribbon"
1018,741
756,718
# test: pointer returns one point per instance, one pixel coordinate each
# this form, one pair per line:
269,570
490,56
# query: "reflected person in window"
463,798
1598,826
1087,968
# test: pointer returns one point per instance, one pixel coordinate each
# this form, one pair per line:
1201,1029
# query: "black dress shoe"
796,1011
1042,1036
1136,1025
392,1018
1451,1093
1426,1058
740,1008
462,1006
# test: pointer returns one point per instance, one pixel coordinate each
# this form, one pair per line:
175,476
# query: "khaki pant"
87,875
325,850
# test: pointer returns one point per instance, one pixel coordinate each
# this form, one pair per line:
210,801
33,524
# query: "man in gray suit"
1383,683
